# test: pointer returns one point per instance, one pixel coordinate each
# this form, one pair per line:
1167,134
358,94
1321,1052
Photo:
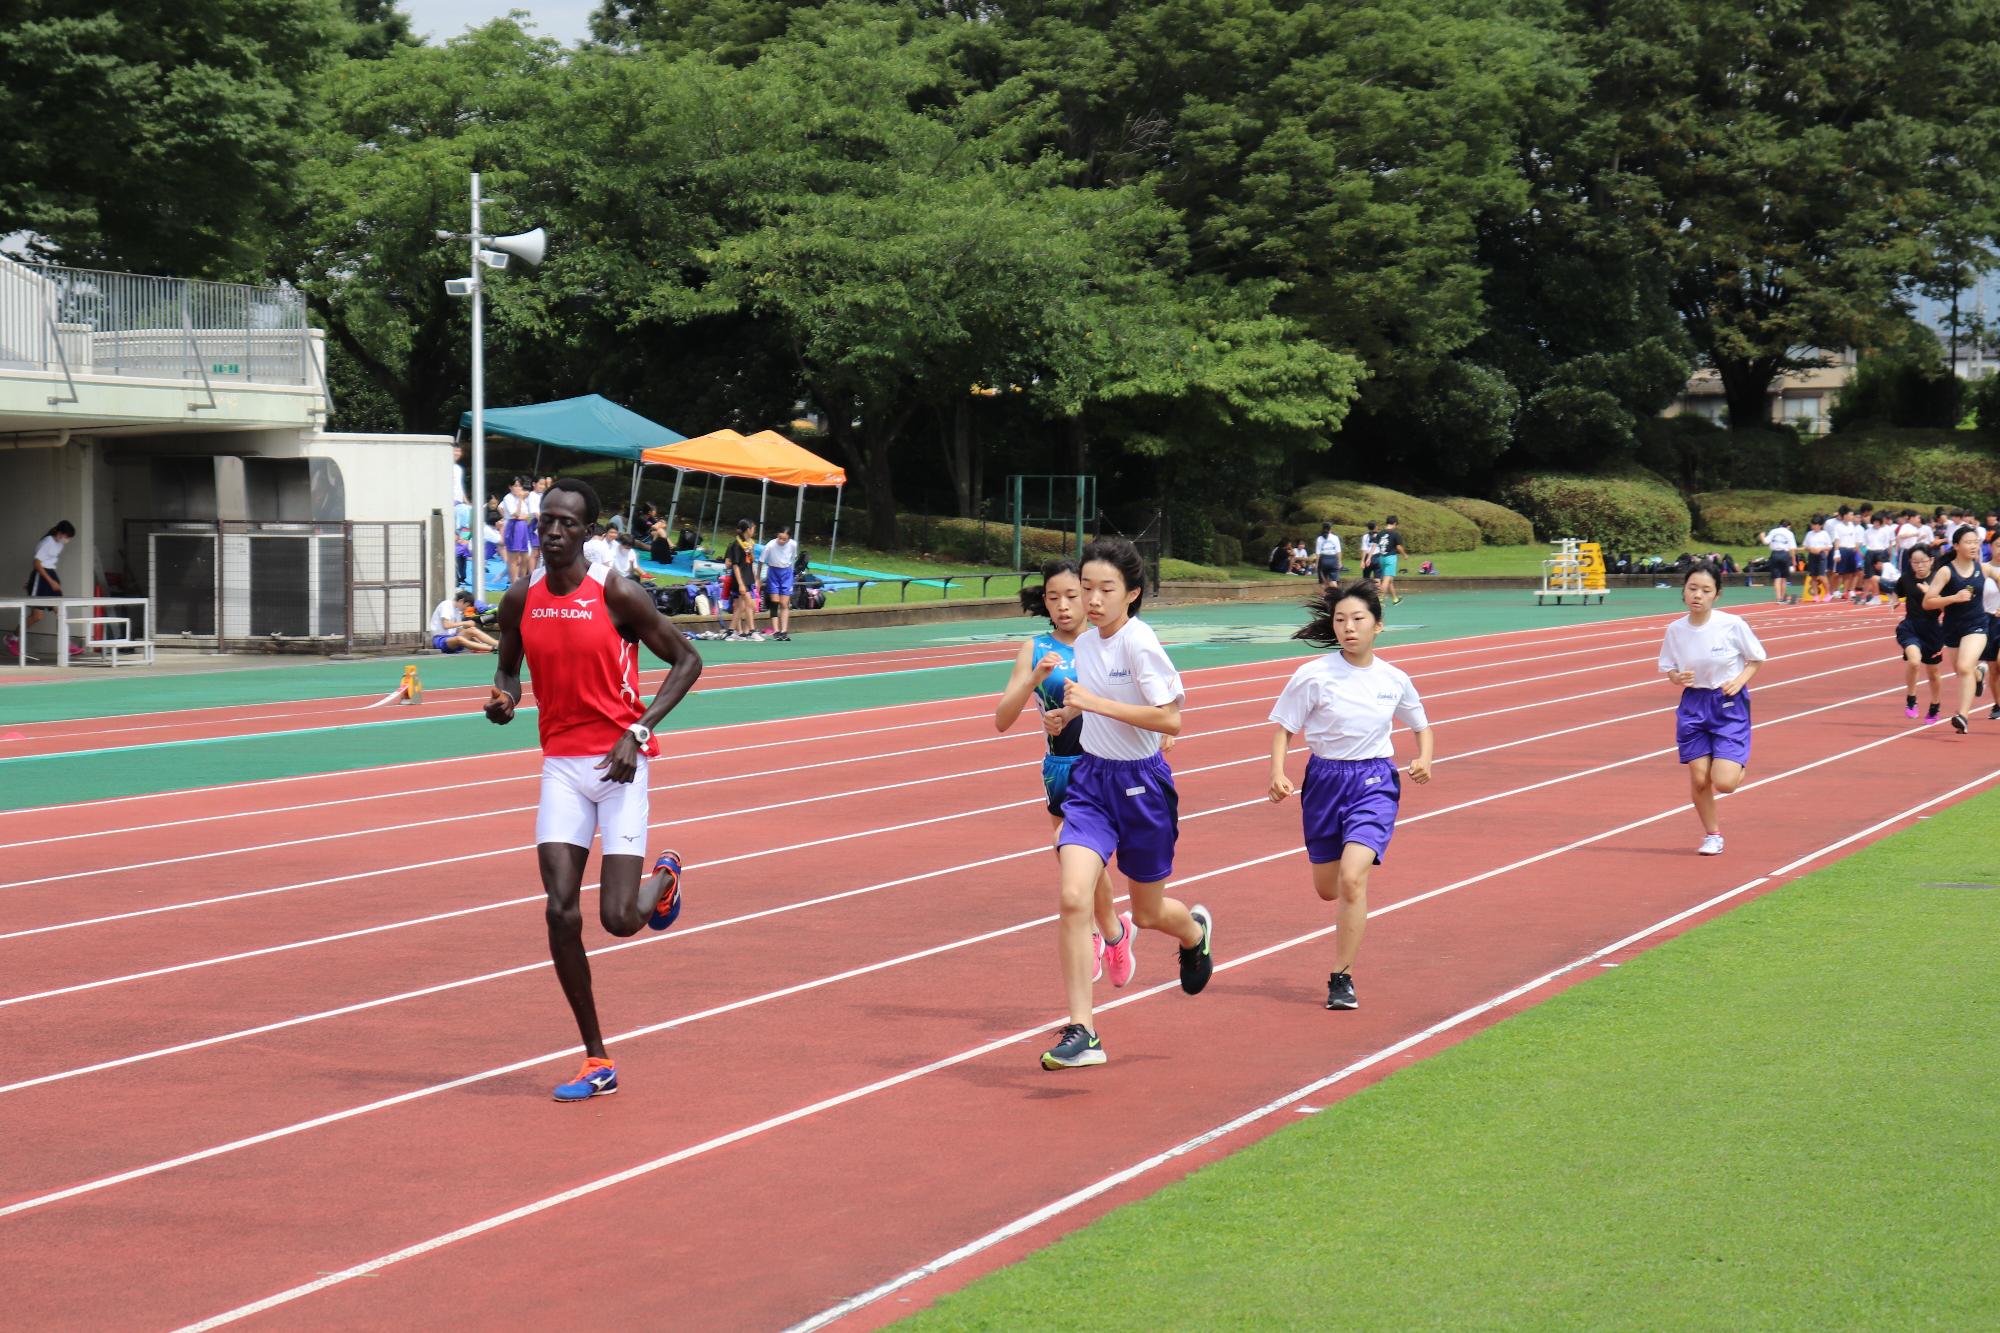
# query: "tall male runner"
578,626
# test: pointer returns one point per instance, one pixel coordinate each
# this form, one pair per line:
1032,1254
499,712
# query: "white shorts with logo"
578,800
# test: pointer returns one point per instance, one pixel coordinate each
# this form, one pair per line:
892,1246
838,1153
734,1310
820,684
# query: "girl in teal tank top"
1042,667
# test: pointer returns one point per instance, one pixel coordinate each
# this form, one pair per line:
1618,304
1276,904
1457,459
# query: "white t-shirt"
458,484
48,551
597,550
1846,535
1345,711
513,506
623,558
443,618
1327,543
1910,535
1820,540
531,505
1130,667
780,555
1369,544
1780,538
1716,652
1880,537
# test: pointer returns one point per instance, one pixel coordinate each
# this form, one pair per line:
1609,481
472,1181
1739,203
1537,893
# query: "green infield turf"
1786,1118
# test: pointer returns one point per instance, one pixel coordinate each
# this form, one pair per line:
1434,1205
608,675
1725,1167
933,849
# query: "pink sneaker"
1097,952
76,650
13,646
1123,957
1911,711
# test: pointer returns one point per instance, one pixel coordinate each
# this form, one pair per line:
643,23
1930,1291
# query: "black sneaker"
1931,716
1198,963
1340,992
1993,713
1959,724
1076,1046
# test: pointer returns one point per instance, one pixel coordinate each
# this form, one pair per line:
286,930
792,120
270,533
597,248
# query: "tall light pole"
487,252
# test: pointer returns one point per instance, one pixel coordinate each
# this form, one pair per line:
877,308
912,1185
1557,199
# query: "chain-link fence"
240,585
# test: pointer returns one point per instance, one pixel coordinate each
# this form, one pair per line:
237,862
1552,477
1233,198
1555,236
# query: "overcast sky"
566,20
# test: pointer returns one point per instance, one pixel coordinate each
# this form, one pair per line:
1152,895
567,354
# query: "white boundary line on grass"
1029,1221
735,1136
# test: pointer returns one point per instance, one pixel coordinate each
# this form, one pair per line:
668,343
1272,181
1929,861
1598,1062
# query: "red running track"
838,1090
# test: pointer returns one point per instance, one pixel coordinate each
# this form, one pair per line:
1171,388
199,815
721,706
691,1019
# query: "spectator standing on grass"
1389,555
1371,548
781,556
1326,555
1781,541
740,572
43,580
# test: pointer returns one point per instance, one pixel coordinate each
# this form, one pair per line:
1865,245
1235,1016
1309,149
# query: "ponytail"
1318,629
62,529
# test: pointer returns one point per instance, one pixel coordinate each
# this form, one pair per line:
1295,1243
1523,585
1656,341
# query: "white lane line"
1566,632
677,760
212,713
855,1094
415,1094
1069,1202
776,850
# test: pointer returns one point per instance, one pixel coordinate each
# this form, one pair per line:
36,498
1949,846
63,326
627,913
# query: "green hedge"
965,538
1739,518
1225,550
1634,511
1187,569
1426,526
1950,467
1497,524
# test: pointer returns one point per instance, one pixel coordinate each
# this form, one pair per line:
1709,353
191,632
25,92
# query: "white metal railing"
75,321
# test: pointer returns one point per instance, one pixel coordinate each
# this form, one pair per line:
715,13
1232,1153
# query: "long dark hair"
1318,629
1032,599
1122,556
63,528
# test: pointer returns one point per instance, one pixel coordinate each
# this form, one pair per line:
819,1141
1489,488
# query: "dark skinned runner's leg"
621,907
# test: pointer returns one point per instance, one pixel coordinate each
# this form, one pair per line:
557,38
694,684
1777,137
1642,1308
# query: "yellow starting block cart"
1575,570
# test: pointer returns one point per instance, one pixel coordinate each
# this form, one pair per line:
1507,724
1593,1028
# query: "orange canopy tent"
764,457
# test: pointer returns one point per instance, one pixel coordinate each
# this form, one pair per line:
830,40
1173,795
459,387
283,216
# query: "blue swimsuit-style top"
1049,694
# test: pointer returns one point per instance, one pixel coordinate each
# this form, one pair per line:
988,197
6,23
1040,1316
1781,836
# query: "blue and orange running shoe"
597,1078
666,891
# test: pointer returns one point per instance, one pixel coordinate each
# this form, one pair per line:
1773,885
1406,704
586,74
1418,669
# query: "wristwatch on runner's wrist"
640,732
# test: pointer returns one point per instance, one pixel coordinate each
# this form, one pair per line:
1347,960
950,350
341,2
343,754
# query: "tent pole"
674,506
763,499
536,471
799,517
632,505
721,485
833,548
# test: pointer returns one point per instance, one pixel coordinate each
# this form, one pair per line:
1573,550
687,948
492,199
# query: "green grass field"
1786,1118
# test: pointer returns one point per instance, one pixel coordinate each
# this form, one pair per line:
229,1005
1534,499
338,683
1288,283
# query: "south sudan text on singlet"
586,675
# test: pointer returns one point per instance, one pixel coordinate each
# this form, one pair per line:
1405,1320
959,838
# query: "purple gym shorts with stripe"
1710,725
1126,807
1349,800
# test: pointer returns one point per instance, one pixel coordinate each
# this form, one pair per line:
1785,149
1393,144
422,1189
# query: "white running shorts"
578,800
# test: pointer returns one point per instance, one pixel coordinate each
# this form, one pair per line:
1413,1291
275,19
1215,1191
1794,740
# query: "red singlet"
586,675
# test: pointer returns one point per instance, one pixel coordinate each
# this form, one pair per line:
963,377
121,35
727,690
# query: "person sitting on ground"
625,557
689,540
455,629
1280,560
1301,559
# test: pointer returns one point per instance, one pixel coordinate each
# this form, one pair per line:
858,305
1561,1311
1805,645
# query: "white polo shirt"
1780,538
1716,652
48,551
1130,667
1347,712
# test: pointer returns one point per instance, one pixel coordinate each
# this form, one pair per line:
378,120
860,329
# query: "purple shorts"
1709,726
442,642
1349,800
1127,807
516,533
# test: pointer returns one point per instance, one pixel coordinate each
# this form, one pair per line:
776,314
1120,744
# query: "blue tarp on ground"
591,424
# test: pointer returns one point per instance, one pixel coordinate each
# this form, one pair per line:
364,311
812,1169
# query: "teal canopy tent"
591,424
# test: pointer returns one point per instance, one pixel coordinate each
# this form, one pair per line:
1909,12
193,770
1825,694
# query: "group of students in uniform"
1109,700
1950,595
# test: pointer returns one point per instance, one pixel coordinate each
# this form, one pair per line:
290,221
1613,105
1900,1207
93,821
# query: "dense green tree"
156,136
1797,165
377,28
389,168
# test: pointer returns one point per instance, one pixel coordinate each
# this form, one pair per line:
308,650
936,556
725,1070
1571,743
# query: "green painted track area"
1199,636
1784,1119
